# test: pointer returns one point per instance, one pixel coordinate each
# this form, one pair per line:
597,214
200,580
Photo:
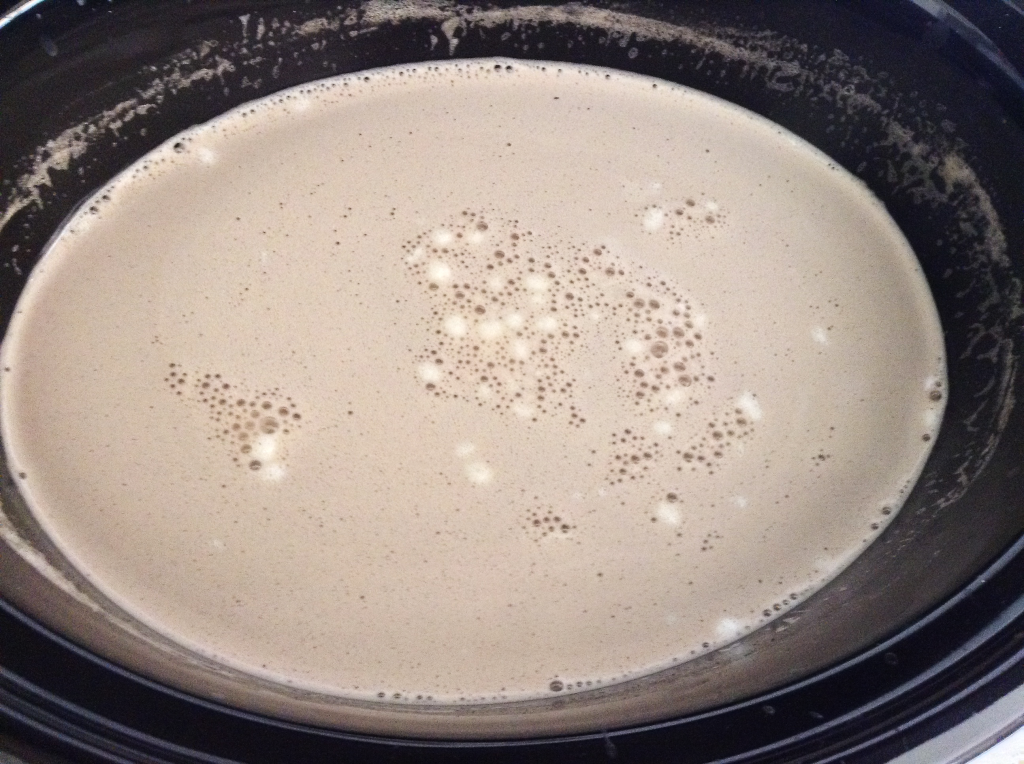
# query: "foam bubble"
662,427
654,219
819,334
465,449
264,447
536,282
490,330
273,472
443,237
206,156
669,513
479,473
633,346
429,373
547,324
439,272
514,321
675,396
456,326
729,628
523,410
749,405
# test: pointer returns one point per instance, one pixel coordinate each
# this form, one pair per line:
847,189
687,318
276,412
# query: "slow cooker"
923,100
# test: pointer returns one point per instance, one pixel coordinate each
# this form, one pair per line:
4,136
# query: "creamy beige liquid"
471,381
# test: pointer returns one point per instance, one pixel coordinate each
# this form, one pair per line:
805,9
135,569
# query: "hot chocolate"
471,381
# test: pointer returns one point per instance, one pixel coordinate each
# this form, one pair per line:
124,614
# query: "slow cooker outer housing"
931,613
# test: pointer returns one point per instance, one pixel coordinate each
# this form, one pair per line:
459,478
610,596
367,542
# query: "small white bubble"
747,403
479,473
595,316
456,326
429,373
700,321
476,237
514,321
301,104
272,472
442,237
669,513
523,410
264,447
490,330
654,219
931,382
820,335
740,501
931,418
711,206
439,272
675,396
416,256
521,349
207,156
536,282
663,428
219,545
729,628
484,392
496,283
633,346
465,449
547,324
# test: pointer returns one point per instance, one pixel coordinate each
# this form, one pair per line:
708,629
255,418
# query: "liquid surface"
472,381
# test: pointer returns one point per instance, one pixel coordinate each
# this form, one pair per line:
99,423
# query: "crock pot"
920,99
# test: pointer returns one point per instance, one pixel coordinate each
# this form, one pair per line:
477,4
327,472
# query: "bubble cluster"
721,435
693,218
662,346
777,607
542,523
708,542
635,454
513,318
506,317
251,423
510,314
